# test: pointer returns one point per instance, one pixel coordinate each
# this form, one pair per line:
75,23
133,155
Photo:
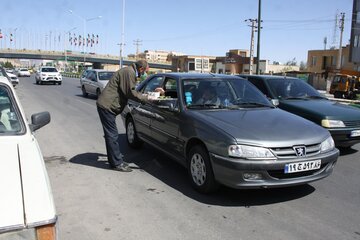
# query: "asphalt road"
155,201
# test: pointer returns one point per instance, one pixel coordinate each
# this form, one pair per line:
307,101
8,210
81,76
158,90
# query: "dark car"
236,137
299,97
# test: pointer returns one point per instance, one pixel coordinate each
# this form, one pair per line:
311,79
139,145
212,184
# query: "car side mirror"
275,102
38,120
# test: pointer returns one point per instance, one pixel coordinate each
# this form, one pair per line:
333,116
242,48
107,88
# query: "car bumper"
230,172
343,138
50,79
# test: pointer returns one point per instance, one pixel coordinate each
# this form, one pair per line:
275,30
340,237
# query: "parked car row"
225,131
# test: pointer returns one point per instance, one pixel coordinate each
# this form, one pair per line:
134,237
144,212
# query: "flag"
1,36
11,37
80,40
97,39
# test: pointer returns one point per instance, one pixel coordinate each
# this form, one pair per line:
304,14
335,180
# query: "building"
325,61
193,63
354,55
158,55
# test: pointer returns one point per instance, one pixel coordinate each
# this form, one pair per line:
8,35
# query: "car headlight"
332,123
327,145
242,151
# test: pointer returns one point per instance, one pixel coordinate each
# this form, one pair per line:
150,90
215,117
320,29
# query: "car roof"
4,80
100,70
182,75
267,77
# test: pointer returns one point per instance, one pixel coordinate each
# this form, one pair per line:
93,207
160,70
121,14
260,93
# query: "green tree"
302,66
8,65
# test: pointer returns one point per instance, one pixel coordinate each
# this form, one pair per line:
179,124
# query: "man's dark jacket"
119,89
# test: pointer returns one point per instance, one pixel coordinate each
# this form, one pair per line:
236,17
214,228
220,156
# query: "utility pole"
122,43
258,40
342,19
138,43
253,29
325,42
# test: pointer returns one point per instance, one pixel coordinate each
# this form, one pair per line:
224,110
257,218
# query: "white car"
27,208
23,72
93,81
13,78
48,74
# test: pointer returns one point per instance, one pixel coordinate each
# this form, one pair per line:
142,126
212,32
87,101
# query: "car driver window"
152,84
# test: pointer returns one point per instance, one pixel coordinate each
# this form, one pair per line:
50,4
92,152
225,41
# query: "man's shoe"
123,167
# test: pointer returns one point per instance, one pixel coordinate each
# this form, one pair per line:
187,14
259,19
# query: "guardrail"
70,75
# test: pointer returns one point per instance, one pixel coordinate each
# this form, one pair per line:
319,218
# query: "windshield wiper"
205,105
316,97
242,103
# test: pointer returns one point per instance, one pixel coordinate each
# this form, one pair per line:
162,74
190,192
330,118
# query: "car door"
143,113
90,79
165,121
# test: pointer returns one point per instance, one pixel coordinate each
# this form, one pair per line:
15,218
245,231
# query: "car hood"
265,127
321,108
26,198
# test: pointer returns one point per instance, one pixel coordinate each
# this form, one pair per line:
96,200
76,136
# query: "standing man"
111,103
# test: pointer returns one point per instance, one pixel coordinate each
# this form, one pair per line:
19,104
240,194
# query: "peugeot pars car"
298,97
26,204
225,131
93,81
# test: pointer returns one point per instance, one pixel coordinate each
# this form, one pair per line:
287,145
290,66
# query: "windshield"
222,93
49,70
10,122
292,88
105,75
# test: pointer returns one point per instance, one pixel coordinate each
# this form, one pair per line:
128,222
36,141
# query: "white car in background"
27,208
93,81
48,74
23,72
13,78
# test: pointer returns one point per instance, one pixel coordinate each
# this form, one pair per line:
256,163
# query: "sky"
195,27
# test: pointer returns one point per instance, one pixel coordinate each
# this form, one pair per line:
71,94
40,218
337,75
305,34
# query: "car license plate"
302,166
355,133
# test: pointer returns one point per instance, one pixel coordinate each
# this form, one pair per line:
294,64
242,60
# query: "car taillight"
47,232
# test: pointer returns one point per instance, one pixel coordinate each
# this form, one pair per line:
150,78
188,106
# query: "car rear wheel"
131,135
98,92
200,171
84,93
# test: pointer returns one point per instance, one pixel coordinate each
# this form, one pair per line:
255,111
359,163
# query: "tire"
200,170
131,135
98,92
84,93
59,83
338,94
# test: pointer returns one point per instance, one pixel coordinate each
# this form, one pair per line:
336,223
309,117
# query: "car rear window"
105,75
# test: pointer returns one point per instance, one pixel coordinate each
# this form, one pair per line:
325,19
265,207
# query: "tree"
291,62
8,65
302,66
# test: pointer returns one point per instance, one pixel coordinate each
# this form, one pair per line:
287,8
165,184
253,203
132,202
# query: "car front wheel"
84,93
131,135
200,171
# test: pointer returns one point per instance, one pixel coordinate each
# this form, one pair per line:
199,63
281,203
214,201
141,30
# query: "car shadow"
171,173
90,96
347,151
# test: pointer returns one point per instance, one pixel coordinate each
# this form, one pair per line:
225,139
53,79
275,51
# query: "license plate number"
355,133
302,166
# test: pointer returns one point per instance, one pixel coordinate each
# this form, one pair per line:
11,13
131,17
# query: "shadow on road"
347,151
174,175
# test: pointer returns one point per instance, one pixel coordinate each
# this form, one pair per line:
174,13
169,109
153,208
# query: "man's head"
142,67
209,93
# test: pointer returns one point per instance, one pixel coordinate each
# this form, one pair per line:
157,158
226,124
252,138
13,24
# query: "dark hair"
141,63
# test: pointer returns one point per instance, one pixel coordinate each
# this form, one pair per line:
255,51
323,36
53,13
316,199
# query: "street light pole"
85,20
258,40
122,43
65,46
